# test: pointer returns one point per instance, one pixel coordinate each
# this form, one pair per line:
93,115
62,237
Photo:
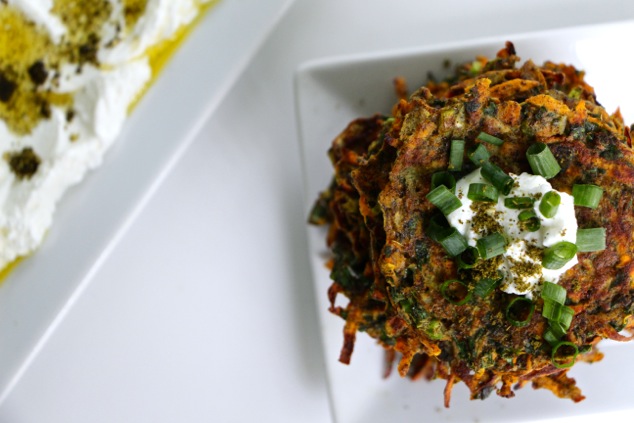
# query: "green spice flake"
23,164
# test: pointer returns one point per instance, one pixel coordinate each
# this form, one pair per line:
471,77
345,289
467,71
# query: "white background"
205,311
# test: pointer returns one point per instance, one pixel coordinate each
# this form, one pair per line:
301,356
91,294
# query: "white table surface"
205,311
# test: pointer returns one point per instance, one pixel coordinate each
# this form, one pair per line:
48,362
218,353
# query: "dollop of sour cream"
520,266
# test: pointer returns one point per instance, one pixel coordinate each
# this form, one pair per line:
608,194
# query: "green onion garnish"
557,329
497,177
529,220
437,226
480,155
556,256
526,214
565,318
468,258
482,192
553,292
490,139
550,204
587,195
552,310
491,245
444,199
453,242
559,313
564,355
455,291
456,155
486,286
550,337
542,161
520,311
443,178
519,202
590,239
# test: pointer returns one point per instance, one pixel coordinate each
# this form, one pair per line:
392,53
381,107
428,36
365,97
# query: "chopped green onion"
566,315
542,161
486,286
480,155
444,199
554,292
443,178
455,291
550,204
482,192
456,155
499,179
529,220
587,195
552,310
490,139
558,313
468,258
590,239
556,256
570,352
532,225
519,202
491,245
557,329
550,337
453,242
520,311
437,227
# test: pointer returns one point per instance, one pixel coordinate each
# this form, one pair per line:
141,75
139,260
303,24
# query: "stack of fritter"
386,264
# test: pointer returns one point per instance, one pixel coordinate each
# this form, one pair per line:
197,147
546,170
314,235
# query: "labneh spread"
69,73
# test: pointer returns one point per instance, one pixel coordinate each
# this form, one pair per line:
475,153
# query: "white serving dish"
332,92
95,214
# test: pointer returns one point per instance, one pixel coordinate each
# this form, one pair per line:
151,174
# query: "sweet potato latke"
391,270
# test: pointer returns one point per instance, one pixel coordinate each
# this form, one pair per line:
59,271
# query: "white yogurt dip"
522,271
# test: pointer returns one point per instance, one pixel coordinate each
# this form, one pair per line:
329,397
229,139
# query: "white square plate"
329,94
96,213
